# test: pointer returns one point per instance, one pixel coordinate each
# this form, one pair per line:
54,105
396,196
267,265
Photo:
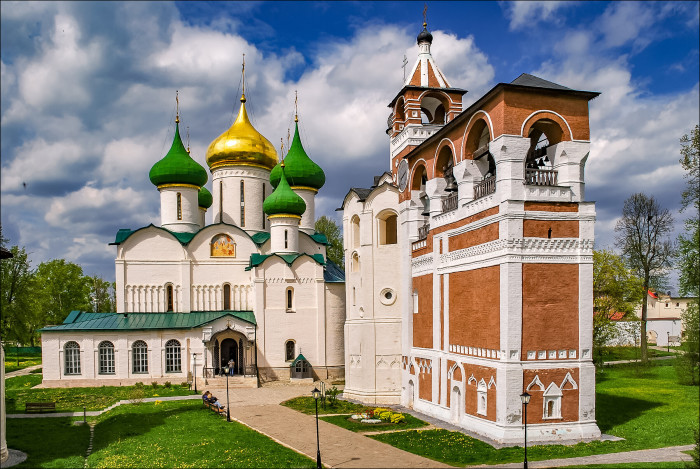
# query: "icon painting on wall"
223,246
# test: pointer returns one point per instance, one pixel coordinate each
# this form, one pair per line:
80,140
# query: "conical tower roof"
283,200
177,166
299,169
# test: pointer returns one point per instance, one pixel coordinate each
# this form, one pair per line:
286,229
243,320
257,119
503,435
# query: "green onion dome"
283,200
177,166
299,169
204,198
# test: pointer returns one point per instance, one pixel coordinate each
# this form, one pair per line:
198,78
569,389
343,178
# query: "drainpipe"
257,372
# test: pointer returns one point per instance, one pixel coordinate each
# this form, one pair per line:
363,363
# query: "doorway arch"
455,404
229,350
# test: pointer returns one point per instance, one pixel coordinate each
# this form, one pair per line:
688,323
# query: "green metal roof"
177,166
204,198
257,259
299,169
184,238
82,321
319,238
332,273
299,358
283,200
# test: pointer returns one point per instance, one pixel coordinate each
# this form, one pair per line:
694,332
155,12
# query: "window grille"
173,360
242,204
72,358
179,206
140,357
106,358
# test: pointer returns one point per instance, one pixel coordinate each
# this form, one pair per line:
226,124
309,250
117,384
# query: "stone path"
22,372
671,454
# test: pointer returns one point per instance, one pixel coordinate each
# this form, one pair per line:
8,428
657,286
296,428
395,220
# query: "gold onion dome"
241,144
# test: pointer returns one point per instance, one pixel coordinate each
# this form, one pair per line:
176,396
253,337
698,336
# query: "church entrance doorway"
229,351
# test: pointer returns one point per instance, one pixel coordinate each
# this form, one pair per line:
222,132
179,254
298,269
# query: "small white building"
664,318
254,287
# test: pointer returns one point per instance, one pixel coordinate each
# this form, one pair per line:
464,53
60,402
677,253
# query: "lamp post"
668,341
316,394
525,398
194,368
228,410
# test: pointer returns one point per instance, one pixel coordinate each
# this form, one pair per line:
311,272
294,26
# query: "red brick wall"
560,228
425,385
423,320
470,391
552,206
474,237
474,311
569,399
550,307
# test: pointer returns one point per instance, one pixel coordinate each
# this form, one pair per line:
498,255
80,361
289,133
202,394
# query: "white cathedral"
254,286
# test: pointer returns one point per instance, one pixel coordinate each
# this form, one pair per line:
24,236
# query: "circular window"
387,296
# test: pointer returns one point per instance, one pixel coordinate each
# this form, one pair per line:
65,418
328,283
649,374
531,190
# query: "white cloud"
529,13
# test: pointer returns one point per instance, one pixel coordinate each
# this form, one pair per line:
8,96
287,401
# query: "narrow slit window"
286,241
290,299
227,297
169,297
263,201
242,204
179,206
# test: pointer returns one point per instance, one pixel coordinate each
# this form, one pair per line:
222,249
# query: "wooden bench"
32,407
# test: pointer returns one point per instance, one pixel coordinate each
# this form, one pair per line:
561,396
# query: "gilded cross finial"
188,139
405,62
425,15
296,109
282,147
177,107
243,80
288,138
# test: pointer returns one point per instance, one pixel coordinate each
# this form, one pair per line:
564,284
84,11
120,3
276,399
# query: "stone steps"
233,382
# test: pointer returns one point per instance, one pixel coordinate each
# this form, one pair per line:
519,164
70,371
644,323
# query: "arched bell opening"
433,109
444,167
542,134
477,142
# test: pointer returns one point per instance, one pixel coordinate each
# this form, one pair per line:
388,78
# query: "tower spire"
243,80
425,15
177,107
296,108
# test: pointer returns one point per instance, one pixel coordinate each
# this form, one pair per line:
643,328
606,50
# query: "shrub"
398,418
185,384
136,394
138,385
332,395
154,384
386,416
168,384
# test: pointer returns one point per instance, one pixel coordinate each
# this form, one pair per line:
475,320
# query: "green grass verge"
182,434
306,404
49,442
629,353
19,391
644,405
346,422
25,360
639,465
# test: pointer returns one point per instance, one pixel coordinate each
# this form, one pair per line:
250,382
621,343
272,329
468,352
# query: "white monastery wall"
335,324
256,187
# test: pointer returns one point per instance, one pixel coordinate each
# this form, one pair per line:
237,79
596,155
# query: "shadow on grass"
613,411
49,442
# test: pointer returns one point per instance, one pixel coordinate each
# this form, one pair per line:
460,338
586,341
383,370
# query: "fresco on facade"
223,246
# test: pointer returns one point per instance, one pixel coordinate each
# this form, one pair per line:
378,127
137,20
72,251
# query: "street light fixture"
316,394
525,398
194,368
228,410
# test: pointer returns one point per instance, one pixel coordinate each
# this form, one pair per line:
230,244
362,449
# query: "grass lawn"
346,422
629,353
49,442
182,434
306,405
645,406
639,465
18,391
25,360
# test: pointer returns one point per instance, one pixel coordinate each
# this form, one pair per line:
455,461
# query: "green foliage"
690,161
63,289
688,360
695,463
615,290
14,361
610,354
18,303
688,255
182,434
649,412
334,249
102,295
348,423
332,396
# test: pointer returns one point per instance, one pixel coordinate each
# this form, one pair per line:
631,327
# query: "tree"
615,290
61,289
643,237
101,295
16,297
334,249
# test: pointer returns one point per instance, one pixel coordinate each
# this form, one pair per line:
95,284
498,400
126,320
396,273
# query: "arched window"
139,357
169,298
286,240
173,361
227,297
387,228
552,402
481,391
355,262
289,350
106,358
242,204
179,206
72,358
355,222
290,299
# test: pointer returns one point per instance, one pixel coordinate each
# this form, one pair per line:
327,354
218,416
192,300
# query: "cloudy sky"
88,93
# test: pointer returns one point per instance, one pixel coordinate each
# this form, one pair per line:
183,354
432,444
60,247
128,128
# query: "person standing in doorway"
231,365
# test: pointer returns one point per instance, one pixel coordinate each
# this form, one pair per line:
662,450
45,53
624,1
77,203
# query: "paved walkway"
671,454
22,372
